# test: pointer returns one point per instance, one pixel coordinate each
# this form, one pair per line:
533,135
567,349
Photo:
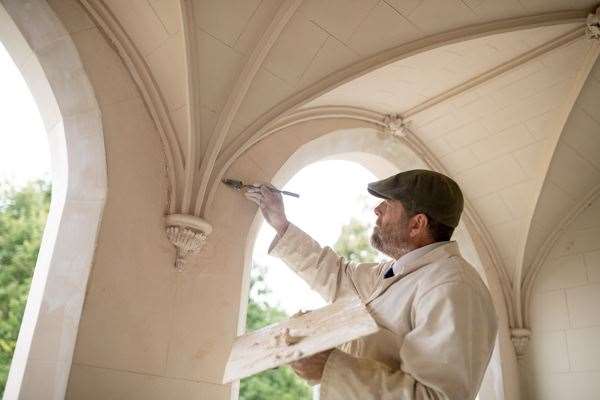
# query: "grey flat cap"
429,192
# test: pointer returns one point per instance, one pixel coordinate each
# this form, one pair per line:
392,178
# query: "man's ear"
418,225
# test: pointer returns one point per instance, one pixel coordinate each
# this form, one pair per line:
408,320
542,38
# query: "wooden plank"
300,336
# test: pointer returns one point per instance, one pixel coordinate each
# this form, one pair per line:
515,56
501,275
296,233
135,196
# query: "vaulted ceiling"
504,93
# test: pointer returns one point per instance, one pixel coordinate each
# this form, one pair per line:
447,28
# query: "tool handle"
277,190
288,193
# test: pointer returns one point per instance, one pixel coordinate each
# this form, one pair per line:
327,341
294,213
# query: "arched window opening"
24,201
333,196
377,155
335,208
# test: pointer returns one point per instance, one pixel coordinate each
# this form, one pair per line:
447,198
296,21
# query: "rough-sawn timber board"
316,331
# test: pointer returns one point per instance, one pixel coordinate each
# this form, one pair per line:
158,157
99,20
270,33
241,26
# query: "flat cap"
426,191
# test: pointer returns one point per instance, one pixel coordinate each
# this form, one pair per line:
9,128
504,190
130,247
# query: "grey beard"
393,245
376,241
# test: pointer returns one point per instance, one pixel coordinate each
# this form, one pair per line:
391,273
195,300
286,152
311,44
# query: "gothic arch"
359,135
544,251
50,64
279,113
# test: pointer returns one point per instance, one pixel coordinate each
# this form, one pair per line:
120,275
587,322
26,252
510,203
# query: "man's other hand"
271,205
311,368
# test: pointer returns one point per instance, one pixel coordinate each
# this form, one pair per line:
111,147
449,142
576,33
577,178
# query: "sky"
331,192
24,153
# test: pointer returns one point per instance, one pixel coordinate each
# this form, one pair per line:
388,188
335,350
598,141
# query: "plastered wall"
148,332
130,307
564,355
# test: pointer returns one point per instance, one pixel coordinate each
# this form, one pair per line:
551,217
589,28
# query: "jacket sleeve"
323,269
444,357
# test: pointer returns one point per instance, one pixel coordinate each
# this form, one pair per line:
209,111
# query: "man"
438,324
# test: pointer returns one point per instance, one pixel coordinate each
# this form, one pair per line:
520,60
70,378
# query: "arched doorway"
42,49
383,155
336,210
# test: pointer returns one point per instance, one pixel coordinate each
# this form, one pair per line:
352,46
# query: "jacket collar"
409,257
447,250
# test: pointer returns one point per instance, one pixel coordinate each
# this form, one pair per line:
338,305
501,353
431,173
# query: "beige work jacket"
438,323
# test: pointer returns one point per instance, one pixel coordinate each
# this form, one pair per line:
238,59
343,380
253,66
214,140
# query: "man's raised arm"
322,268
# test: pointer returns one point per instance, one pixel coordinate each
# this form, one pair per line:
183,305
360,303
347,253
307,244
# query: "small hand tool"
239,185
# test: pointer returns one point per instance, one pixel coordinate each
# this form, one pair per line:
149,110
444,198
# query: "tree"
354,243
280,383
23,215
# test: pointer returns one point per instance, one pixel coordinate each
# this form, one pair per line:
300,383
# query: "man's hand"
311,368
270,204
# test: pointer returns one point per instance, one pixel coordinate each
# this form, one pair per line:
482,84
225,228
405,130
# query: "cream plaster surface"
159,39
575,168
226,33
564,348
93,383
406,83
484,110
144,25
127,333
489,136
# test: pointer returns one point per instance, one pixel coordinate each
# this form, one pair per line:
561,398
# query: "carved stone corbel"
520,339
188,234
592,29
395,125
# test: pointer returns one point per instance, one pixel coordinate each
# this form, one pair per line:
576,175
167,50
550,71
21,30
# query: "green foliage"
260,313
354,243
23,215
280,383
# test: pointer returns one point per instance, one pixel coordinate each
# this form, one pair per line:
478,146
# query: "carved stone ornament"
592,30
520,339
395,125
188,234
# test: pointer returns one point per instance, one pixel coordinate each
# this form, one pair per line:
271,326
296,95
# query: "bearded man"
438,323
